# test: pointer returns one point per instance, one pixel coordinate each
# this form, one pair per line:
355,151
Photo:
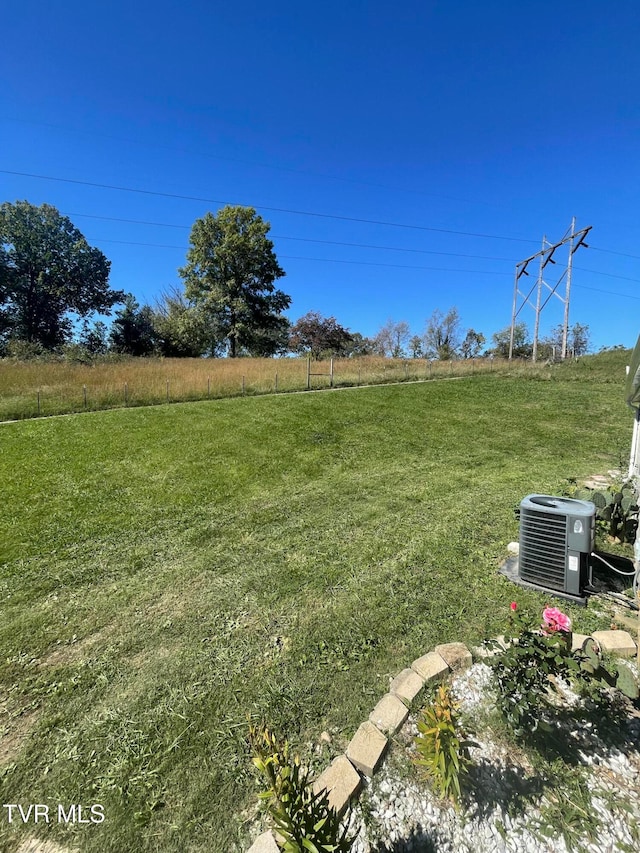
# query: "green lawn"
167,572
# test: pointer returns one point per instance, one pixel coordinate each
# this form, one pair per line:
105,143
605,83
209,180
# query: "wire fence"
40,389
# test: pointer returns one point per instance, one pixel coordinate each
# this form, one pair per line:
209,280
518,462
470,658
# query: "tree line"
52,284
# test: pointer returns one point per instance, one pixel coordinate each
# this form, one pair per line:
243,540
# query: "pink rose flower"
514,605
556,620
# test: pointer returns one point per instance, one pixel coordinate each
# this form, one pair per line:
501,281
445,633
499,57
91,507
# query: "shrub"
523,668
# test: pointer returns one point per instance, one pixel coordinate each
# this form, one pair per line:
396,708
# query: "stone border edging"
342,779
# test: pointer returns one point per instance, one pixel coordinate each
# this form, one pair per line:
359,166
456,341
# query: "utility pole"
536,328
565,326
575,239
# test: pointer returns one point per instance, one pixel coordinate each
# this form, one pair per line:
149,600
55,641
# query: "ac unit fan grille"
543,540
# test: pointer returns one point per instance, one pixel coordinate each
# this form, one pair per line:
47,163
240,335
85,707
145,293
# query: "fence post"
308,374
450,366
208,387
406,370
84,394
38,402
243,385
126,394
429,370
358,376
276,385
167,390
331,374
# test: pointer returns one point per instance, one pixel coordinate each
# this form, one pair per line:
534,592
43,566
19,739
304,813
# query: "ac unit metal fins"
543,545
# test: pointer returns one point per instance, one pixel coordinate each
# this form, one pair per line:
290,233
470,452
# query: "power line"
371,264
447,269
351,245
298,239
608,274
304,258
130,221
310,213
158,194
210,156
394,266
393,248
310,240
137,243
609,292
366,245
611,252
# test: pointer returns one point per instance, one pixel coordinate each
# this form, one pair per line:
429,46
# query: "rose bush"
533,653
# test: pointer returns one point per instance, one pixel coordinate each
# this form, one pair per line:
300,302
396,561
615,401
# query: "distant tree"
391,338
230,273
577,341
472,344
132,331
318,336
521,342
47,271
442,335
358,345
181,328
22,350
94,339
269,340
415,347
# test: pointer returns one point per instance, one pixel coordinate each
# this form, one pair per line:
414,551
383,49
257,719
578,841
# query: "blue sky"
495,119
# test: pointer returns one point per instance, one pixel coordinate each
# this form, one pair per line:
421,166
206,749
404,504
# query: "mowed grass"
168,572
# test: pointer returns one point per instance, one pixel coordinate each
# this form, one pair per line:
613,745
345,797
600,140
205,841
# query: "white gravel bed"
394,815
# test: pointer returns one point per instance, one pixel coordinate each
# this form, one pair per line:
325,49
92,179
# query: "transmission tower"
574,239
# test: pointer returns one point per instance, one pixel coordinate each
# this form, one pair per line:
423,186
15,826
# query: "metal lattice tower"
574,239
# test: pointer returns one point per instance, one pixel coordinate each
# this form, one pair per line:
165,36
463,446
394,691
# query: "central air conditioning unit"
556,540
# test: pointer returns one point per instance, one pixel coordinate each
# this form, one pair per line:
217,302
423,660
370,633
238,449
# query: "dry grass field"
32,388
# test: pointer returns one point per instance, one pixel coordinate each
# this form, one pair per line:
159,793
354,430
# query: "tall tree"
442,335
230,273
132,331
318,336
392,337
415,347
472,344
47,271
